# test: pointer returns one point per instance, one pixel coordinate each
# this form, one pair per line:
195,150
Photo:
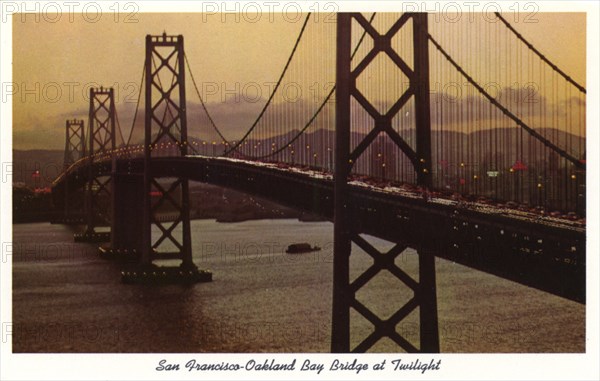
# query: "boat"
297,248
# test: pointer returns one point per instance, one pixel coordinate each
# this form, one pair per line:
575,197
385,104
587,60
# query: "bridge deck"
544,252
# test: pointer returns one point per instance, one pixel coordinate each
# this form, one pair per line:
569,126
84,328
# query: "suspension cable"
210,119
119,126
137,105
542,57
504,110
321,107
274,89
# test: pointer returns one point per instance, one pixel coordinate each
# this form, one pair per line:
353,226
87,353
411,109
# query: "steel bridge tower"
75,142
74,151
345,231
101,145
166,216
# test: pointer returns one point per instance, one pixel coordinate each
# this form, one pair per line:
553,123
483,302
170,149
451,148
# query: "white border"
465,367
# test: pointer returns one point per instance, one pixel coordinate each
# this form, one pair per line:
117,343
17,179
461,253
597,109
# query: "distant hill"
477,146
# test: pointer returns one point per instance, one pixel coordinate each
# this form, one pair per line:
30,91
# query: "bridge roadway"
542,252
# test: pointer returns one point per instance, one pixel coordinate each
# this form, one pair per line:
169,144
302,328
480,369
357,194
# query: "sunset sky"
67,56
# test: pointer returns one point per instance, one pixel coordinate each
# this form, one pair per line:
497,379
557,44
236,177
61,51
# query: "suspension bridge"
494,180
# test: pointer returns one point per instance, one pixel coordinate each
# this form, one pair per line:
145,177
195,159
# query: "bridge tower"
75,142
166,230
345,231
74,150
101,146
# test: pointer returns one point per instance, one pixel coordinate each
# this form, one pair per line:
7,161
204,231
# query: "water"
66,299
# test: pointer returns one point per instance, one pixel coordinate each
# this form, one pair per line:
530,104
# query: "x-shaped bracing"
167,233
383,122
387,327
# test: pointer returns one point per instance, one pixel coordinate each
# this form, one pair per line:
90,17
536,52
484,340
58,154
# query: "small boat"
297,248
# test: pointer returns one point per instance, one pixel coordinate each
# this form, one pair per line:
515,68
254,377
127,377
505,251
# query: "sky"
54,63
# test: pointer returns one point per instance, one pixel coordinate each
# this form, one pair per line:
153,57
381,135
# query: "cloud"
235,115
